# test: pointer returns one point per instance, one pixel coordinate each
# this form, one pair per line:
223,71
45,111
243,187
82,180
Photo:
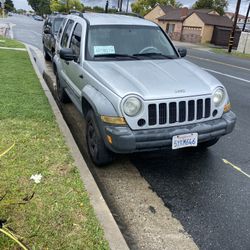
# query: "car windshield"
56,24
126,42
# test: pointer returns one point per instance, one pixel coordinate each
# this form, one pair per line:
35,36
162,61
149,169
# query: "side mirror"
47,30
182,52
67,54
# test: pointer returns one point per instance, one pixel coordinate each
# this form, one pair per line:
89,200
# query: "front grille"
179,112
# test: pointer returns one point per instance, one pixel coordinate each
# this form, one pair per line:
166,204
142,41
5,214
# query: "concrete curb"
111,231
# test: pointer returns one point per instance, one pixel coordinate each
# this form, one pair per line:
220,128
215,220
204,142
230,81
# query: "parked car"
134,88
38,18
50,30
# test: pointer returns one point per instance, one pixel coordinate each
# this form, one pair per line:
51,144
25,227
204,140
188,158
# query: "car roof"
107,19
52,17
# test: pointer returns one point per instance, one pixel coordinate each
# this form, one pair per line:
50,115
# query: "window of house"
170,28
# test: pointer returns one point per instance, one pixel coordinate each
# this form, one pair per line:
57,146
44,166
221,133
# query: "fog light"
227,107
109,138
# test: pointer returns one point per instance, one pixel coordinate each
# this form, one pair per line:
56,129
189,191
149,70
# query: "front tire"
62,96
99,153
45,54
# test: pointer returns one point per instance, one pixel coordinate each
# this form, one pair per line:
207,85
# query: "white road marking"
218,62
235,167
234,77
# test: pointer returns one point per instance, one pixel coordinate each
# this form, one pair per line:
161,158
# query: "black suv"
50,29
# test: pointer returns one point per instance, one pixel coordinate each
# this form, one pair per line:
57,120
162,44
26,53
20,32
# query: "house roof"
202,10
166,8
175,15
211,19
181,13
231,14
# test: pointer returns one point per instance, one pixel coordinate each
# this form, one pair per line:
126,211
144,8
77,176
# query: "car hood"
154,79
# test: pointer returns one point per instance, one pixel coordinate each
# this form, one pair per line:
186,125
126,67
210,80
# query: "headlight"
132,106
218,97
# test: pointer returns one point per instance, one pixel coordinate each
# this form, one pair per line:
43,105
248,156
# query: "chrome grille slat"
178,112
162,113
199,108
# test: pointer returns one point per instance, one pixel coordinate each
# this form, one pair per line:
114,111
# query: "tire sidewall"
103,156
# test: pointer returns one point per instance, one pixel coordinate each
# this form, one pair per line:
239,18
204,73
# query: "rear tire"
45,54
62,96
206,144
99,153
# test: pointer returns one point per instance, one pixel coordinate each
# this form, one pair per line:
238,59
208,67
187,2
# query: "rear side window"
66,33
61,29
56,24
75,42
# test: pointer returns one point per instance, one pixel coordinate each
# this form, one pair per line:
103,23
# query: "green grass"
233,53
59,216
6,42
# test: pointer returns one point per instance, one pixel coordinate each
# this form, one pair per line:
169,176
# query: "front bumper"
125,140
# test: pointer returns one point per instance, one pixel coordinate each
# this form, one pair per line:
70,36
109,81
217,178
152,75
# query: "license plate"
183,141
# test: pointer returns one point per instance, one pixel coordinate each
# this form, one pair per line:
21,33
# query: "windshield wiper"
155,55
117,55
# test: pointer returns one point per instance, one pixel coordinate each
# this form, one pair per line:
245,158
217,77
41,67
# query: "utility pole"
107,6
231,39
127,6
120,5
245,22
2,6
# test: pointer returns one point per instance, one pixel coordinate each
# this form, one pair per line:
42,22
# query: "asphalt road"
209,197
26,29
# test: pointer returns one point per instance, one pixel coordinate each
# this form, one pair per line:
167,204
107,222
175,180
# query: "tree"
217,5
9,6
142,7
66,5
41,7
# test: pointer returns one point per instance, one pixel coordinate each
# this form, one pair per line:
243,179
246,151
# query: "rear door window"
75,42
66,33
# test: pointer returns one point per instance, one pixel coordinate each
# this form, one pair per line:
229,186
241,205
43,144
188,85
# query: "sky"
22,4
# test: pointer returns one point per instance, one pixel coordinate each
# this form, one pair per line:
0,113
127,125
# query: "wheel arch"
95,100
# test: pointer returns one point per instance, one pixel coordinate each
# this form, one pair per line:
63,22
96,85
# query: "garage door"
191,34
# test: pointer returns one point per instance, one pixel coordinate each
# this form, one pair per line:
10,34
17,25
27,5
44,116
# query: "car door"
74,69
45,36
64,44
50,35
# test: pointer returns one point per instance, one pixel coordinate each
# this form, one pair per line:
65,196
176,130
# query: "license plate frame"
185,140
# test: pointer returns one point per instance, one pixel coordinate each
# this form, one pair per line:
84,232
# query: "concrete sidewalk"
187,45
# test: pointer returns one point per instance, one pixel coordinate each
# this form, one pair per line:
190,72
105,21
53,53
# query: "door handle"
81,76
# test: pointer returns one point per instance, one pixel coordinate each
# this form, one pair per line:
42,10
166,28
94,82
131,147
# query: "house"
158,11
172,21
190,25
240,19
200,26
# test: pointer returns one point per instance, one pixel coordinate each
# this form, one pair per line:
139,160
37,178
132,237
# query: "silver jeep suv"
134,89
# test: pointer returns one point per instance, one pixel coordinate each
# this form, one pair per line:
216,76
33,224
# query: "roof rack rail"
76,12
129,14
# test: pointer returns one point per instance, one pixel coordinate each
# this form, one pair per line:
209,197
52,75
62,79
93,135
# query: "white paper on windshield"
99,50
